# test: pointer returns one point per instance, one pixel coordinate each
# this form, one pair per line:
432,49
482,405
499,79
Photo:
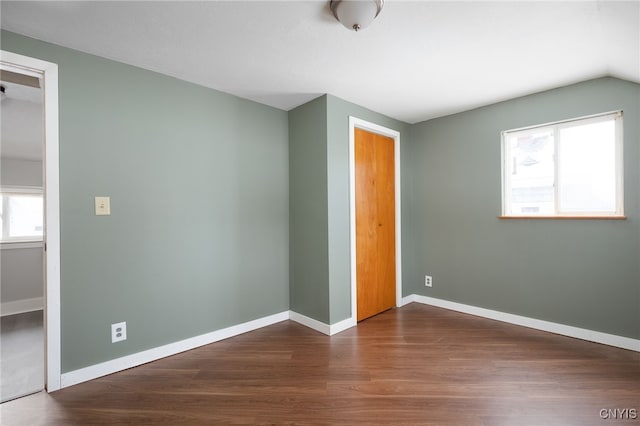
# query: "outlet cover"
118,332
428,281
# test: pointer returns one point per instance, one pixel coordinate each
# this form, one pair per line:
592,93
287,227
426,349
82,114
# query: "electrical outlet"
428,281
118,332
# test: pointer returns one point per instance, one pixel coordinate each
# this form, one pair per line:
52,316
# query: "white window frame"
21,190
556,127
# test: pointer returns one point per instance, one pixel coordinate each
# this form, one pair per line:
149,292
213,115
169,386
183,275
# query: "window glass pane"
587,168
24,214
532,172
565,168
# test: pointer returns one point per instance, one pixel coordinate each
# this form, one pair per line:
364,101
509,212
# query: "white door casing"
48,73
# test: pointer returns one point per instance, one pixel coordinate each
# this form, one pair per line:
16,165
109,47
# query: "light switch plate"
103,206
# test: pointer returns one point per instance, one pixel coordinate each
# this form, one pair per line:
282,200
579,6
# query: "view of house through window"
570,168
21,216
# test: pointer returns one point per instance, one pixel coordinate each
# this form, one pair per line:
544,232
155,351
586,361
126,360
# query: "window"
21,215
567,169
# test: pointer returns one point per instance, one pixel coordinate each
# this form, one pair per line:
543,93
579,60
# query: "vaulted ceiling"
418,60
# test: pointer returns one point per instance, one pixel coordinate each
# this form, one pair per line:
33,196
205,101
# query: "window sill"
566,217
15,245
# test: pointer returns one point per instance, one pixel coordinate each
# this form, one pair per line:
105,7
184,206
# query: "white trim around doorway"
48,72
395,135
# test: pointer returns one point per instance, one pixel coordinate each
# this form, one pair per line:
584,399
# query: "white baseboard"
409,299
310,322
342,326
565,330
21,306
94,371
323,328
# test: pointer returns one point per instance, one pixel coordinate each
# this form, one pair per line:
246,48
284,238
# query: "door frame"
354,123
48,72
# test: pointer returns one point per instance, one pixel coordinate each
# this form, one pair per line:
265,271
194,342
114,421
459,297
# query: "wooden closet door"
375,223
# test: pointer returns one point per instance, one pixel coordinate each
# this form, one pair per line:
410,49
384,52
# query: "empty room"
320,212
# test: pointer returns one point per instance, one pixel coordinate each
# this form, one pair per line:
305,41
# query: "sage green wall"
319,205
198,235
584,273
338,112
309,263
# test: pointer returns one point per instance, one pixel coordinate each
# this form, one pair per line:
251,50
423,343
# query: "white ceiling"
418,60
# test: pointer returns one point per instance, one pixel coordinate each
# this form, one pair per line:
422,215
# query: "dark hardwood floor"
415,365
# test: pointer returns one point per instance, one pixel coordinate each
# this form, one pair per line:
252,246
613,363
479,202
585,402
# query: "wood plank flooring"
417,365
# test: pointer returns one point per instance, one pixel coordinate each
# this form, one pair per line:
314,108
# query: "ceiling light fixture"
356,14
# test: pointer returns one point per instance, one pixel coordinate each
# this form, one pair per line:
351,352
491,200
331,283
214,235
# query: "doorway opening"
21,236
395,216
25,231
